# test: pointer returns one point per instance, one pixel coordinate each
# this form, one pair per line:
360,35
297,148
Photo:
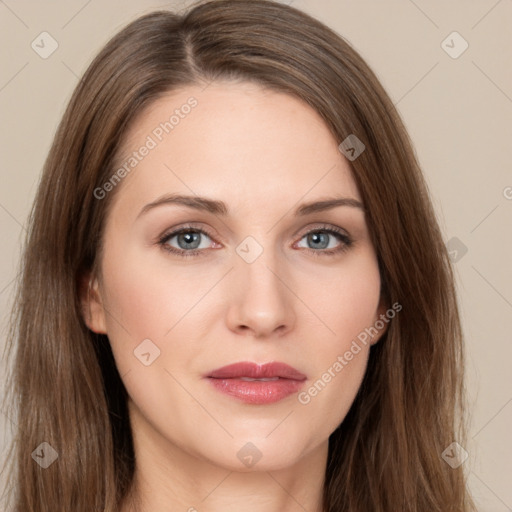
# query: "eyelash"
347,241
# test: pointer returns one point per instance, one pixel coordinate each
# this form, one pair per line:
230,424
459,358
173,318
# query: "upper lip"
257,371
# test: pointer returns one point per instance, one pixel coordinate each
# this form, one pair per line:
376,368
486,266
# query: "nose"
262,300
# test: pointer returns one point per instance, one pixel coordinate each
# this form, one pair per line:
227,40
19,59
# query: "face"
253,277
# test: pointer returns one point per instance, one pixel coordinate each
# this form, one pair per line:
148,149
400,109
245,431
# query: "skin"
262,153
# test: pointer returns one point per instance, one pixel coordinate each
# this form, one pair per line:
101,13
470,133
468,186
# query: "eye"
322,241
188,240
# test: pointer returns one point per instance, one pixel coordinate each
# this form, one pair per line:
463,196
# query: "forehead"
237,141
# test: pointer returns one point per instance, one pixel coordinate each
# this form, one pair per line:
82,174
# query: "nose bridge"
258,265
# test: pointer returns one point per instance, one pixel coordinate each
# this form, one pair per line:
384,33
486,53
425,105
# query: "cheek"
348,306
345,299
152,298
139,302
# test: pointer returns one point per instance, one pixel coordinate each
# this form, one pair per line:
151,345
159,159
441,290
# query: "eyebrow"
219,207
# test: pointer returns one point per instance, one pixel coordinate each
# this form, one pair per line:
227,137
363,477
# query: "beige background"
458,112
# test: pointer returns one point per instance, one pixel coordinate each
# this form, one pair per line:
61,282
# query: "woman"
256,370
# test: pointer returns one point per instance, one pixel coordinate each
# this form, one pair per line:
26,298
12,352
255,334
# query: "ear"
381,322
92,305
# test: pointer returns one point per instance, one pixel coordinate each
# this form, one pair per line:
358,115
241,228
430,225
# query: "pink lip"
228,379
257,371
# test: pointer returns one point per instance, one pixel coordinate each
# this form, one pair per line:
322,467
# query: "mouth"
257,384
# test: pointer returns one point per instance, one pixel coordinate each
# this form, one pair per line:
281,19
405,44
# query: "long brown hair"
65,388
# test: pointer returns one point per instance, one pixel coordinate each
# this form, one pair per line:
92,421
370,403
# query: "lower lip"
257,391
